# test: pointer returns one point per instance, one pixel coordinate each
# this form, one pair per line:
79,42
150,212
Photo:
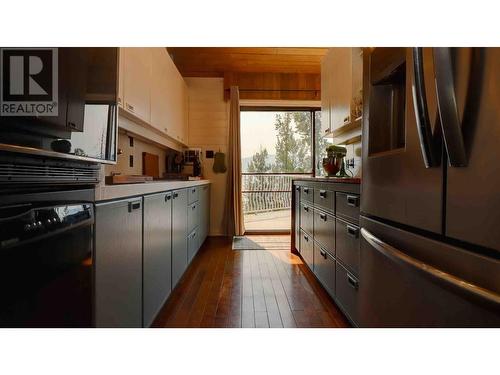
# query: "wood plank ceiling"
260,72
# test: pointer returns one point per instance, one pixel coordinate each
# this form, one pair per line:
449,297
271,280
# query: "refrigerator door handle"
448,110
474,291
431,159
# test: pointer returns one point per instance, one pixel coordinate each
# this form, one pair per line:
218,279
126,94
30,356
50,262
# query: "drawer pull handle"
194,191
306,238
352,281
297,188
194,206
323,216
322,193
306,190
306,208
323,253
176,195
352,200
168,197
352,231
134,206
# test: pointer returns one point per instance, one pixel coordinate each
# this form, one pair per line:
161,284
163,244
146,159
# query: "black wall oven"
46,259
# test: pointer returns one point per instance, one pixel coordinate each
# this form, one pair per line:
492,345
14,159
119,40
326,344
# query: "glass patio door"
276,147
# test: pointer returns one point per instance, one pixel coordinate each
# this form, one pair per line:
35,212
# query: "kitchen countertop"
109,192
348,180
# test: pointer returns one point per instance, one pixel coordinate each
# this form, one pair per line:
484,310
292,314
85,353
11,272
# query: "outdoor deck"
271,220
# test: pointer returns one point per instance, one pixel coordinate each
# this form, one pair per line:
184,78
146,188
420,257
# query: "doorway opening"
277,145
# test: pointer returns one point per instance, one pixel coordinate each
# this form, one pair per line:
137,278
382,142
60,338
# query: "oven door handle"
442,277
431,159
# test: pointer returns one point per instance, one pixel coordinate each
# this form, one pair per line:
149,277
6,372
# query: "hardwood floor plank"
287,318
273,313
259,302
247,309
261,320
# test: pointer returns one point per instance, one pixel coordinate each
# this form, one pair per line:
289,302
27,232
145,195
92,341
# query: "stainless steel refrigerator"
430,193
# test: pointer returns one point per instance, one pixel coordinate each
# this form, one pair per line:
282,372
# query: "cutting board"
150,165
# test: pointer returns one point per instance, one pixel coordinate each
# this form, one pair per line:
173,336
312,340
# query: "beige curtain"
233,212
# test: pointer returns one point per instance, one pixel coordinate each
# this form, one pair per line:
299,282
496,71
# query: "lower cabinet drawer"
324,268
306,218
324,230
325,199
193,194
347,245
307,194
192,244
346,292
307,249
347,206
193,216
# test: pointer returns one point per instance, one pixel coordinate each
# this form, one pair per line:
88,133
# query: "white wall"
123,166
208,130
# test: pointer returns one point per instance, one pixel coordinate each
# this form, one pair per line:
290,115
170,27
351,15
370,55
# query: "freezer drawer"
307,249
324,230
324,199
412,281
347,206
306,218
307,194
193,194
347,292
324,268
347,245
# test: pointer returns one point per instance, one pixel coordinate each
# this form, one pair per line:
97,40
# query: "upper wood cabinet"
160,91
153,90
325,93
341,90
136,69
176,101
341,87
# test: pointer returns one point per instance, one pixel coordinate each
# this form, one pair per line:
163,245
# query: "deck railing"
264,192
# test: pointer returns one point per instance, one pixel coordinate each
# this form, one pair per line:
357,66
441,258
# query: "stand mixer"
334,163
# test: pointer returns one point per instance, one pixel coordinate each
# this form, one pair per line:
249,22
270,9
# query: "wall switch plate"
209,154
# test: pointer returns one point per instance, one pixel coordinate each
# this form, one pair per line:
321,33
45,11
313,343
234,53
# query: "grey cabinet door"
157,254
118,264
204,197
192,245
179,234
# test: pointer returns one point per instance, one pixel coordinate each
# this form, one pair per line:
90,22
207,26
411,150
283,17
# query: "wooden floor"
248,288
